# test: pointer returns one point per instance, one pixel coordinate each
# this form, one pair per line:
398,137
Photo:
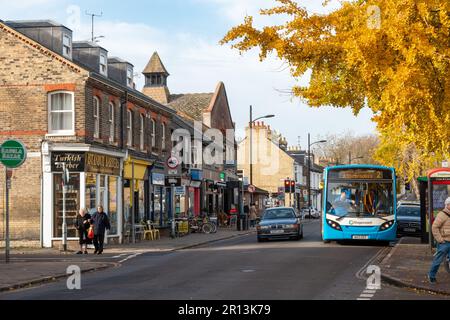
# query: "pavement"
31,266
407,266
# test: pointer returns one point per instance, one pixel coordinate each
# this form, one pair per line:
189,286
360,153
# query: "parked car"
280,223
315,214
408,219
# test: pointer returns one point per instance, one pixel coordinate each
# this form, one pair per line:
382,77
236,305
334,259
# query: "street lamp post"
251,141
309,170
251,146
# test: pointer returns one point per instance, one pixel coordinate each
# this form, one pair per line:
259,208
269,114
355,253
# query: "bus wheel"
326,241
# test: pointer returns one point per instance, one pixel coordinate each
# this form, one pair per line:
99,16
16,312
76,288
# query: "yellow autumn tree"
389,55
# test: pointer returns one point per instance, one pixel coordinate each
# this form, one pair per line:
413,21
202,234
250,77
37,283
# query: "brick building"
68,102
209,111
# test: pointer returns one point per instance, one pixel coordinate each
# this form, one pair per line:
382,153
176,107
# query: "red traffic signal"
287,186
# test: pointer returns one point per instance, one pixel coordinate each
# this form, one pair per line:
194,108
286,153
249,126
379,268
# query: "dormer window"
130,77
67,46
103,64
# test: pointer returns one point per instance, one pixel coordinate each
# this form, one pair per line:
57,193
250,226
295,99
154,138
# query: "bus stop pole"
7,185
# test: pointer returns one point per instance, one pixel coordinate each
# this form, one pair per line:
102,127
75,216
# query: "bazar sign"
86,162
12,154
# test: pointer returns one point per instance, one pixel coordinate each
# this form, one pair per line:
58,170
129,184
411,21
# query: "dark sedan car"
408,219
280,223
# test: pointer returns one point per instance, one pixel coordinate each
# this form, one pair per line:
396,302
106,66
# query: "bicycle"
202,225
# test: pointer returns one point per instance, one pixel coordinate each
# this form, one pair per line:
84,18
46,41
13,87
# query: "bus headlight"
334,225
387,225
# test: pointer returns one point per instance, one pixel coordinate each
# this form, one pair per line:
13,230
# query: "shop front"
136,190
157,211
95,179
195,192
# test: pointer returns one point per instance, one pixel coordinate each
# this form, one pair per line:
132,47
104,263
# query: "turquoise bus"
359,203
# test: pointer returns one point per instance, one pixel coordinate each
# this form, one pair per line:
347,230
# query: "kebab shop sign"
12,154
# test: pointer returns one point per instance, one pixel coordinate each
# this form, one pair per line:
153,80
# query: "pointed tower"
156,80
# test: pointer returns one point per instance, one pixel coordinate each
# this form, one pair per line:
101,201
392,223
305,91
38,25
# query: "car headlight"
334,225
290,226
387,225
263,227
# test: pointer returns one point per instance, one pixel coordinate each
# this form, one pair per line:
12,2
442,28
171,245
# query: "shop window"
91,192
112,204
61,115
72,205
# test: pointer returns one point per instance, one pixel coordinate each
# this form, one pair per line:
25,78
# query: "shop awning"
140,168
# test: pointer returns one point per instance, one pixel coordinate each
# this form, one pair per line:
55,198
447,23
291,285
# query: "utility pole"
8,186
309,176
251,151
93,16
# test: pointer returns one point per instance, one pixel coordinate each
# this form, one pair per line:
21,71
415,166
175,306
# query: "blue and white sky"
186,34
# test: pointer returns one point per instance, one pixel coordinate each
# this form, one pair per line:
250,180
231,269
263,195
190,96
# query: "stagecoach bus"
359,203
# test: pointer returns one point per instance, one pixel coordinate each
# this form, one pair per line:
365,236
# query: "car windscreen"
279,214
404,211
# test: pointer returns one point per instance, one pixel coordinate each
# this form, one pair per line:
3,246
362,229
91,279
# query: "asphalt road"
237,269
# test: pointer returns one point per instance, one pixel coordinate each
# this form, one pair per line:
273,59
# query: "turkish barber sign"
74,161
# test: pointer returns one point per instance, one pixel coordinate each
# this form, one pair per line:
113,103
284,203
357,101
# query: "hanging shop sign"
158,179
173,181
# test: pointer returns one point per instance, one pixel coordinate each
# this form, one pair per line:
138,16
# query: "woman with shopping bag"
83,226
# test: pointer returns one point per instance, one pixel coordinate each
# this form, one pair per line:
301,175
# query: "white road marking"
130,257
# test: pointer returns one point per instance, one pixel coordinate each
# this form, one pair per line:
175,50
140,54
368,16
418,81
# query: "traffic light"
292,186
287,186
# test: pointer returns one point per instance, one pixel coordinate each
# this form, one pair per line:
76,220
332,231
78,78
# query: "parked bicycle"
202,225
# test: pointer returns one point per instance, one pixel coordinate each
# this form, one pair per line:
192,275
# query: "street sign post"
66,178
12,155
251,189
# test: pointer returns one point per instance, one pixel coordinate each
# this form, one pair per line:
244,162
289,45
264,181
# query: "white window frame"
141,132
130,77
153,134
105,71
52,132
129,128
163,136
96,116
69,46
111,119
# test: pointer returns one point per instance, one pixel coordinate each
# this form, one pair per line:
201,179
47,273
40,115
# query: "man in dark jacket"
100,221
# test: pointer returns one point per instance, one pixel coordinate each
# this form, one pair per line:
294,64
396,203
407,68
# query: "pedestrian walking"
100,221
253,215
441,232
82,224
